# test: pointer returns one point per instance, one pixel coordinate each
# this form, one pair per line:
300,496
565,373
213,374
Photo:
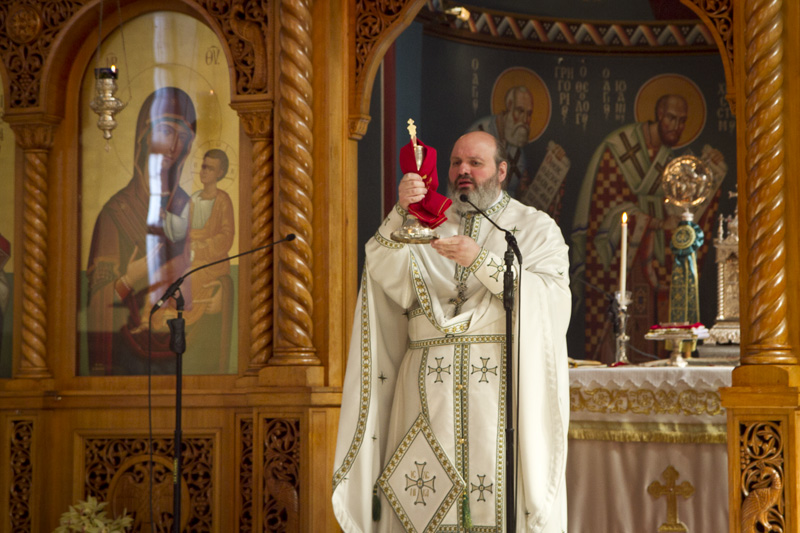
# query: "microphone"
510,239
177,283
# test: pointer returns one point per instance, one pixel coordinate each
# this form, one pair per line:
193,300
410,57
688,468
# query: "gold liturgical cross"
412,130
671,491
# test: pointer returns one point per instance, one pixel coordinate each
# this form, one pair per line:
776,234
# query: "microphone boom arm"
177,283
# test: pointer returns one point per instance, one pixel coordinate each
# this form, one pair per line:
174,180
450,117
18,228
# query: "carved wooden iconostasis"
259,432
93,231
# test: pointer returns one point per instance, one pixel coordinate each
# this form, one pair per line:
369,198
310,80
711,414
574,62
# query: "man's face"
517,120
167,142
472,168
211,171
672,121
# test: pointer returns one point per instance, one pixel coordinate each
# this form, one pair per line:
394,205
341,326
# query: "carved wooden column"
763,404
36,138
767,341
295,189
28,32
257,122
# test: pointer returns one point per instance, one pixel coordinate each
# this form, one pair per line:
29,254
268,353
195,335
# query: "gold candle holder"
105,104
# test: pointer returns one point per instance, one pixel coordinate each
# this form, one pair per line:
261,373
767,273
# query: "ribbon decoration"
430,210
683,299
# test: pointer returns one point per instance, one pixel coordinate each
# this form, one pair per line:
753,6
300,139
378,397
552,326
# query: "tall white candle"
623,260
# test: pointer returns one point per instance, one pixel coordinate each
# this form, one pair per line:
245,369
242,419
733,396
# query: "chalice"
413,231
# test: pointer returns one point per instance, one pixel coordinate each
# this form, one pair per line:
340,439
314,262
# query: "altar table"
632,428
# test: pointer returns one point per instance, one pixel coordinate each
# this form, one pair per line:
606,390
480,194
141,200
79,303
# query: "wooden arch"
73,25
759,50
377,25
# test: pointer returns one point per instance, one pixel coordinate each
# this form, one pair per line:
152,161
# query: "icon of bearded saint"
512,128
624,175
139,244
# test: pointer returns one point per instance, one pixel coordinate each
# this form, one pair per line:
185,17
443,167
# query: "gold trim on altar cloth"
670,433
645,401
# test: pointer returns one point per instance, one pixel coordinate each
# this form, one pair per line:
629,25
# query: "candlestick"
622,330
622,296
623,260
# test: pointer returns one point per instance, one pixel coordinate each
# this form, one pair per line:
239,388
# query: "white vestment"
422,424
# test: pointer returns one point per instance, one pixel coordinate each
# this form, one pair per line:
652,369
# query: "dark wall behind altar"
451,85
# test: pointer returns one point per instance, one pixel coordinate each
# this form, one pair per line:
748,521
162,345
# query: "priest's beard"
483,195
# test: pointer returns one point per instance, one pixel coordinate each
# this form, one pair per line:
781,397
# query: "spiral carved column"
257,123
294,340
766,205
762,444
35,139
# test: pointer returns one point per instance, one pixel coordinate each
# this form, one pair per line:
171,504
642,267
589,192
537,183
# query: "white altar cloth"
627,426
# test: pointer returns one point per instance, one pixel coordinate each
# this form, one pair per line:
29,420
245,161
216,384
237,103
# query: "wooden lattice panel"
762,463
281,475
21,476
116,470
246,475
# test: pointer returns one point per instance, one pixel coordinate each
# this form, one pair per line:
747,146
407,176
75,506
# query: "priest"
421,436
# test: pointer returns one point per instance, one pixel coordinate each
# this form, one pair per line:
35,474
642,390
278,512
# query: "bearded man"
421,430
139,244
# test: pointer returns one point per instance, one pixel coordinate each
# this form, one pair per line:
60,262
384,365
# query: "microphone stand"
177,343
508,304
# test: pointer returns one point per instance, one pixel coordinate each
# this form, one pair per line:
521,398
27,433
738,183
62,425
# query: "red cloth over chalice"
430,210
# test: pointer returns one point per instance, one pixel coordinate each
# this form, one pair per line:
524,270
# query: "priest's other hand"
460,248
412,189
